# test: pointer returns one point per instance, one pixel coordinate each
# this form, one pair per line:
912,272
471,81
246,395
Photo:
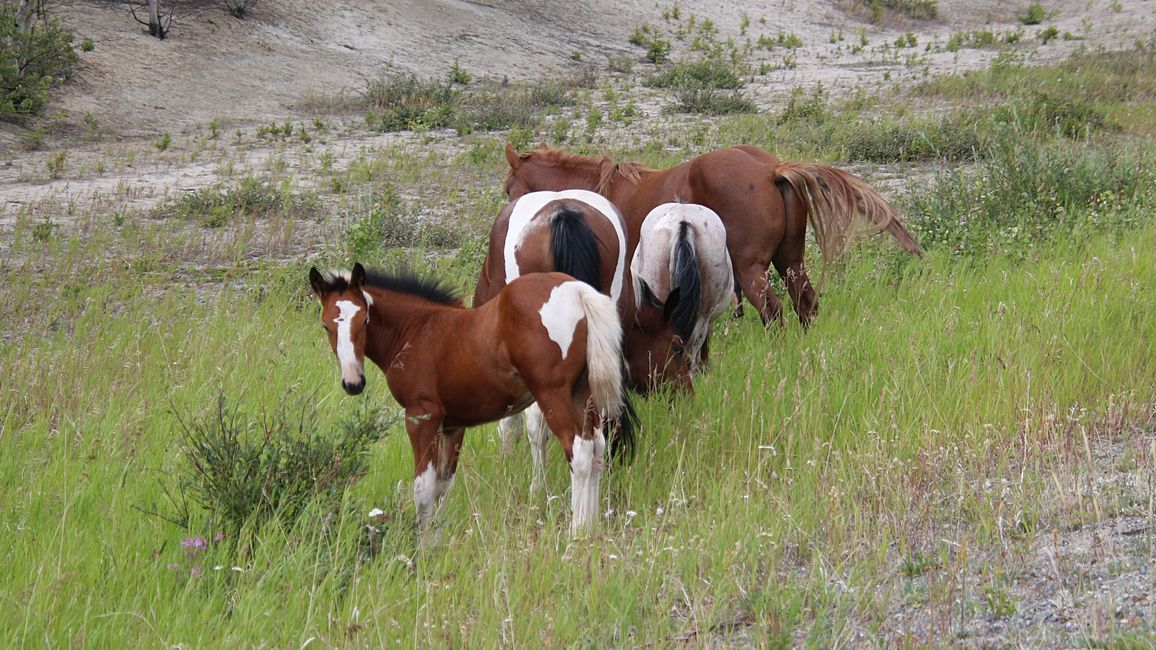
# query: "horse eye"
678,350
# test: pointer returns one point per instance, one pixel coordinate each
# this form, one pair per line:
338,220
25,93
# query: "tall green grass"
771,501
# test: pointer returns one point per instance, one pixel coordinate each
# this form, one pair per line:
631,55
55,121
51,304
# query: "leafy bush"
1025,194
1033,15
708,101
401,102
919,9
710,72
216,205
32,63
244,472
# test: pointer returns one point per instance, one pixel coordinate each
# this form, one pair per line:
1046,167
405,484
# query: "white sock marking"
585,475
425,493
538,433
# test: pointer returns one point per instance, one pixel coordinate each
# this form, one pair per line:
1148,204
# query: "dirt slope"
253,70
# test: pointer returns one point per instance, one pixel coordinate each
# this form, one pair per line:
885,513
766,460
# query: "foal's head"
345,318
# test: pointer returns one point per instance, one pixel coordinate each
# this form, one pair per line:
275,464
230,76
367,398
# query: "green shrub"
708,101
32,63
217,205
246,471
919,9
1025,193
1033,15
711,72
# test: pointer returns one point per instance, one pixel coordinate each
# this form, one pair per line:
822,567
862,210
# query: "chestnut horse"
682,280
546,337
764,203
576,232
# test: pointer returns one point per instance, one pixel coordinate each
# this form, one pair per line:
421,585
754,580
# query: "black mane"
402,282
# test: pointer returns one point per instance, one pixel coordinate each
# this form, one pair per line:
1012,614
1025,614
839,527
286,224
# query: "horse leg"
803,296
509,429
788,258
538,434
757,289
584,446
435,459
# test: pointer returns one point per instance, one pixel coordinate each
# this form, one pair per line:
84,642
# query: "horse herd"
600,276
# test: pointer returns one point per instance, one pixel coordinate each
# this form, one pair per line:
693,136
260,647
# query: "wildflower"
174,565
376,512
194,543
195,571
219,537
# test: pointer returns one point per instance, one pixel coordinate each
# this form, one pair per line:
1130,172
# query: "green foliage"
1049,34
708,101
244,471
31,64
1025,195
703,73
251,198
917,9
458,75
649,37
401,102
162,143
56,163
1033,15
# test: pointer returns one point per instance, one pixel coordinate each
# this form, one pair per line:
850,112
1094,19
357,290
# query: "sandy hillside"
245,71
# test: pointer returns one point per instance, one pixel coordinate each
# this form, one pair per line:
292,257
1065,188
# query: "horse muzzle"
354,388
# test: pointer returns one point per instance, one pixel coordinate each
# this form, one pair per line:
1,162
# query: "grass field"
893,475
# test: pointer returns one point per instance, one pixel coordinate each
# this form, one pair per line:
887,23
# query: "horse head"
656,353
345,318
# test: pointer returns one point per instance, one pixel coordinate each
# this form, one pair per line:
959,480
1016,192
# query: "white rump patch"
530,204
562,312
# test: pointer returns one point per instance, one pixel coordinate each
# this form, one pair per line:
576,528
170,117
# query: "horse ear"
671,303
512,157
357,275
317,281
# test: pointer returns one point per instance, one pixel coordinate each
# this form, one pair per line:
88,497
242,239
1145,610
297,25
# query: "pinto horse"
764,203
545,337
576,232
682,280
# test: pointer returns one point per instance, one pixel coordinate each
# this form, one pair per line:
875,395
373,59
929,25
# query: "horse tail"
834,198
606,370
574,247
686,281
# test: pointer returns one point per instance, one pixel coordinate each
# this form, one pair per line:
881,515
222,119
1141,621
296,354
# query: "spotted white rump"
654,260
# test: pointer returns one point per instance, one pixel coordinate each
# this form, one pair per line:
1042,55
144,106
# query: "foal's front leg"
435,460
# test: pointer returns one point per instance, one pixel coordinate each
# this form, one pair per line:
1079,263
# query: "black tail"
682,304
623,431
574,247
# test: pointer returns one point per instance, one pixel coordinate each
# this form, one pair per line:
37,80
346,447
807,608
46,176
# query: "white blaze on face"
562,312
530,204
351,371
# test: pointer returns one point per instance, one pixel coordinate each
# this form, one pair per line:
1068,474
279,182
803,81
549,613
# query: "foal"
545,338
